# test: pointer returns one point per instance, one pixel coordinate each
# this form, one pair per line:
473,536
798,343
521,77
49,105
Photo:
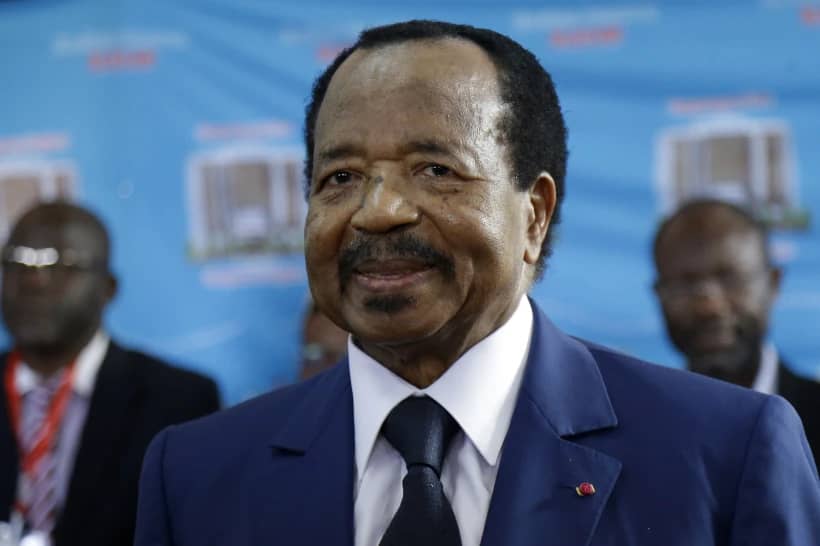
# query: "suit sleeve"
153,518
778,498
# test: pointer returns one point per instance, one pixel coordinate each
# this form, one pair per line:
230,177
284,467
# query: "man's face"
716,291
47,309
415,231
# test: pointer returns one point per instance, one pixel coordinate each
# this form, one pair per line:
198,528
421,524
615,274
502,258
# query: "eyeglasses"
732,284
48,259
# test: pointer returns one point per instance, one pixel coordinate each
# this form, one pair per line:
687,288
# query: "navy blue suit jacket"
677,460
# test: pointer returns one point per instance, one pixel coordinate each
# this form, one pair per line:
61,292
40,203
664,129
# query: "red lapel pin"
585,489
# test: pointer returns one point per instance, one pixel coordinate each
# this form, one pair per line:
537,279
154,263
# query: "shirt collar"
766,380
479,390
85,372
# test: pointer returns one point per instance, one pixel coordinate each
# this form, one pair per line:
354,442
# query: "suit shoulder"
259,415
165,385
159,372
677,395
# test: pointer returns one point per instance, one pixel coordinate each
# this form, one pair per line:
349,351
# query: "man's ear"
775,279
111,287
542,201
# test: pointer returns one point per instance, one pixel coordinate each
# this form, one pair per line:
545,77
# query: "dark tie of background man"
421,431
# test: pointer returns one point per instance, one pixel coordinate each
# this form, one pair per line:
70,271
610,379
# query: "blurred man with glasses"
716,284
323,343
76,409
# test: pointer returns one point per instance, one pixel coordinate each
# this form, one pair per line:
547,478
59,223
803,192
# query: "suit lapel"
101,442
562,395
8,453
311,462
534,500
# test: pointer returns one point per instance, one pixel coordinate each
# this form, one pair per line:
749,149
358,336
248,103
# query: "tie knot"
421,431
46,390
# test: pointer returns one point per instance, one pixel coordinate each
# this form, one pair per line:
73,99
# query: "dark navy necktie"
421,430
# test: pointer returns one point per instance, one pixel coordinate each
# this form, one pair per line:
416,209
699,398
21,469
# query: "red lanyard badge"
51,424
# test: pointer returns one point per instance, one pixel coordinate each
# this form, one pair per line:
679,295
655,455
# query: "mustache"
404,245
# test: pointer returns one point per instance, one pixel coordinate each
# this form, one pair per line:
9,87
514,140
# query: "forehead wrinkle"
703,227
693,255
418,68
417,96
461,90
472,119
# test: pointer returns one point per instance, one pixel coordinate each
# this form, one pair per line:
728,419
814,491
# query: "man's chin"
722,364
389,304
39,343
406,330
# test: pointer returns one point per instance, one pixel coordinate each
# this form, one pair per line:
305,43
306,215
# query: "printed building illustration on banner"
24,183
245,201
749,162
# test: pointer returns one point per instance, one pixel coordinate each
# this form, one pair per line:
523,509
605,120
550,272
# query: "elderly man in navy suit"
462,416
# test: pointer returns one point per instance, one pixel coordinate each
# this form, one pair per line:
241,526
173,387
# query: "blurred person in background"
77,410
435,157
323,343
716,284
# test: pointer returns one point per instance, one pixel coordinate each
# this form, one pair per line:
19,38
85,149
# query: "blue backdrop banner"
180,122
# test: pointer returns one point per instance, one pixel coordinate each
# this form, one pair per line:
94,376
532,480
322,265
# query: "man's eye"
339,178
437,170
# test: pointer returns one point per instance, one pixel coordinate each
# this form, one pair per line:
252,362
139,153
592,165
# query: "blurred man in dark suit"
716,284
323,343
77,410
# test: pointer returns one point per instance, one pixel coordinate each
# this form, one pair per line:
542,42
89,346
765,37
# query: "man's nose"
709,298
385,206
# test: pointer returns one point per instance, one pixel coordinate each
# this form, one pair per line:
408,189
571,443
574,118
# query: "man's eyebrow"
428,146
339,152
463,158
342,151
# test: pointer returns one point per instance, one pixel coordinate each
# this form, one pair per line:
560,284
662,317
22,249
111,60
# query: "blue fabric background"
137,91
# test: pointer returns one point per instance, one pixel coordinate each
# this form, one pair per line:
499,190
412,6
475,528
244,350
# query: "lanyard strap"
51,424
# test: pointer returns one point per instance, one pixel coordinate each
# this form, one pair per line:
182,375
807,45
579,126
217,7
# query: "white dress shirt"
479,390
766,379
85,375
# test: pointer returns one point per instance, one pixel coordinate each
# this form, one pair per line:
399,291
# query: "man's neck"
46,364
743,376
47,361
421,363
